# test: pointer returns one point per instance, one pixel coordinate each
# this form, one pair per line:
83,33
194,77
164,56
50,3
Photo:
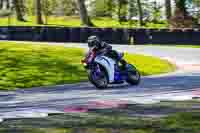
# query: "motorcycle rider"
103,48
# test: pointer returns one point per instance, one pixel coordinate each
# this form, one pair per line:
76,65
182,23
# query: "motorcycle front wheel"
99,81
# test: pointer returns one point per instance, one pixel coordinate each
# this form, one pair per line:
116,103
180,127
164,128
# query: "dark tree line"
19,4
19,7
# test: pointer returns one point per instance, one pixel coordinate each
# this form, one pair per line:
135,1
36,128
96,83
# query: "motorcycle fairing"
109,65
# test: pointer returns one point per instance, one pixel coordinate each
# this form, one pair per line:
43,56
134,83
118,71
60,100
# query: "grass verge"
33,65
110,121
148,65
181,46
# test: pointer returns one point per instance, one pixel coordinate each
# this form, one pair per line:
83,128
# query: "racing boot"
123,64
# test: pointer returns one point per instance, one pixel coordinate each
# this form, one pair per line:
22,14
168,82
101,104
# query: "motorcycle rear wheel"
134,76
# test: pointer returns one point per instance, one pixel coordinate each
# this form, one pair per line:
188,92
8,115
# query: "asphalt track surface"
184,84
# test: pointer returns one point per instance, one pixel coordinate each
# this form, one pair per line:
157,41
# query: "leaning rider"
103,48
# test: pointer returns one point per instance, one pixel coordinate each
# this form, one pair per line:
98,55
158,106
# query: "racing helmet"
94,42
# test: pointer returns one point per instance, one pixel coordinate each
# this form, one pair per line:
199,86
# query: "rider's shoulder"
105,44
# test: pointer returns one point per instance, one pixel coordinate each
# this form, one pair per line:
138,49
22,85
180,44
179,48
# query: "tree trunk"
110,4
85,20
168,9
22,6
180,5
119,10
131,8
1,4
18,10
140,12
39,12
7,4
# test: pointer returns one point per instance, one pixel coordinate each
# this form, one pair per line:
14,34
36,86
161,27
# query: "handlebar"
89,57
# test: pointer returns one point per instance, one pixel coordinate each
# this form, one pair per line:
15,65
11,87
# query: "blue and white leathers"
109,65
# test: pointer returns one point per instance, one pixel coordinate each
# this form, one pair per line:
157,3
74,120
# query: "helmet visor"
90,43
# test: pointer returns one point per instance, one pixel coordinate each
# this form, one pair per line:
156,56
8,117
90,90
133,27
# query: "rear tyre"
134,76
100,82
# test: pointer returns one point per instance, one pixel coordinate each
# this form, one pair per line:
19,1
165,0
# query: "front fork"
96,71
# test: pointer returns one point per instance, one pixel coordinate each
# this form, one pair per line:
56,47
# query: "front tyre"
134,76
99,81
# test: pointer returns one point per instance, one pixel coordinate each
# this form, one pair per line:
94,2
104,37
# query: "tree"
98,8
156,12
121,10
181,6
23,6
196,2
182,18
7,4
30,7
120,3
140,12
168,9
1,4
39,12
196,8
102,8
49,6
18,9
131,9
67,7
83,13
109,7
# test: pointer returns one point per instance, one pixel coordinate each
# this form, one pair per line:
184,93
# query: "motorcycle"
103,71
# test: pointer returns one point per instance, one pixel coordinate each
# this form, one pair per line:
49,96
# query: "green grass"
111,120
74,21
189,46
181,46
25,66
33,65
148,65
